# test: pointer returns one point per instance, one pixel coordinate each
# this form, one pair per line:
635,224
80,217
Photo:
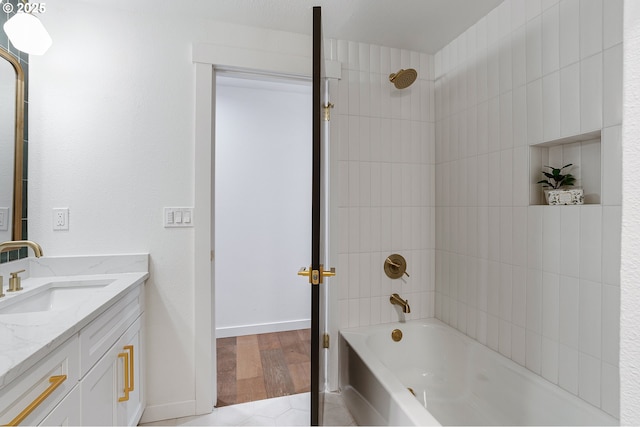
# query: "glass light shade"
27,34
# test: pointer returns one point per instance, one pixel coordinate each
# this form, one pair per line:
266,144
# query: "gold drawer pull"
54,382
131,368
125,358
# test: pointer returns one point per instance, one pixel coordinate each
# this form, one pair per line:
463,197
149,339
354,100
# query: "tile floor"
280,411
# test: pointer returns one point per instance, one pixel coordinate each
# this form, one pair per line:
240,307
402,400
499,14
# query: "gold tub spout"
396,300
17,244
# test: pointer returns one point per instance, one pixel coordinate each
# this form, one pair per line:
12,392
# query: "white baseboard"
263,328
169,411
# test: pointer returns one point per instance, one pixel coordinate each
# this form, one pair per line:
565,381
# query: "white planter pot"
572,196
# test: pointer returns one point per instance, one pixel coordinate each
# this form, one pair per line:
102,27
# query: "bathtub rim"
356,338
412,408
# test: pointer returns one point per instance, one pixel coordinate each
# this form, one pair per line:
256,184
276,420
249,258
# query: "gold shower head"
403,78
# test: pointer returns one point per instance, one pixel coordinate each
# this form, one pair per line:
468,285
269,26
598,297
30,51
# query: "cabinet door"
29,398
98,391
67,413
112,390
131,406
101,334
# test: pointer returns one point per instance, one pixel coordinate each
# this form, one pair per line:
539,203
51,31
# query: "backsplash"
23,58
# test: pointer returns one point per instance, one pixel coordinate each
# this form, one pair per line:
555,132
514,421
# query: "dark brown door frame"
317,318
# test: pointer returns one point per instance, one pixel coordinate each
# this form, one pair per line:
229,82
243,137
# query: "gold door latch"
316,276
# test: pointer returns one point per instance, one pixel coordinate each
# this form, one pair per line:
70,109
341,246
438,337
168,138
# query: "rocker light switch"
178,217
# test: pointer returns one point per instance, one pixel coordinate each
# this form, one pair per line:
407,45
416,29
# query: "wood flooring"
256,367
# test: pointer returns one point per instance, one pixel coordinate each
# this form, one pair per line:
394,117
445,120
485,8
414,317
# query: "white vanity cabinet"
111,390
67,413
35,394
102,366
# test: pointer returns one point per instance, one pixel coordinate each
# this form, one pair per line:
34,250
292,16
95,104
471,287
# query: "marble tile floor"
290,410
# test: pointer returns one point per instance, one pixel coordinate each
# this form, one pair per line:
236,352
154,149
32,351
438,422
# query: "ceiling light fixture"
27,33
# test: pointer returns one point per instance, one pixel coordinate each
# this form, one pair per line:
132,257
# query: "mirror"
11,146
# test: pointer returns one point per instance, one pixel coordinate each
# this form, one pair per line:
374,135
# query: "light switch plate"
178,217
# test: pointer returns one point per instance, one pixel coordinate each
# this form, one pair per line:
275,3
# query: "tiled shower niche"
583,151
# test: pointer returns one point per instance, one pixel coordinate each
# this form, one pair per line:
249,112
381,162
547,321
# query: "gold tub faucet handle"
395,266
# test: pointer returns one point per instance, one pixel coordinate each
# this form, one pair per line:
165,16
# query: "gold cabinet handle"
54,382
131,368
125,358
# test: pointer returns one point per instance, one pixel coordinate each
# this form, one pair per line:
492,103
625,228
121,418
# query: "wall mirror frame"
18,148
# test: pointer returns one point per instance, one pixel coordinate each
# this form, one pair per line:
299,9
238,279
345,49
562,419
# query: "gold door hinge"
327,111
325,340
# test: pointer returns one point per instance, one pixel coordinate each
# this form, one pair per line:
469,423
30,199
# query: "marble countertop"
27,337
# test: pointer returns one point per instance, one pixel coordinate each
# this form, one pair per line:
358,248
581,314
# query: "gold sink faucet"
17,244
396,300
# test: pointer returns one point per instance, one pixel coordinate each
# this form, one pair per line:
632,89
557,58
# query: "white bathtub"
456,381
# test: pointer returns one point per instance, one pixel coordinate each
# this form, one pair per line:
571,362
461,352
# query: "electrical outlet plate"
178,217
4,219
60,219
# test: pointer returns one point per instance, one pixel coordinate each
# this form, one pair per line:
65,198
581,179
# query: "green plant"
556,179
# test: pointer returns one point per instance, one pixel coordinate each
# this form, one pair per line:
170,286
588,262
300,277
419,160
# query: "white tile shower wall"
386,171
539,284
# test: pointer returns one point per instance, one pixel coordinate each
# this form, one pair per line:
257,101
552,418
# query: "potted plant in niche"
556,187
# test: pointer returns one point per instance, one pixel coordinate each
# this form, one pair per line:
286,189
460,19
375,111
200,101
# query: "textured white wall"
630,274
111,117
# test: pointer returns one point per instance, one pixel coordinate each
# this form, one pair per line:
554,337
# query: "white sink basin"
54,296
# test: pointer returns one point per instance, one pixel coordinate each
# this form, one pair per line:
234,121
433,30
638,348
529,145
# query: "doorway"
262,222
